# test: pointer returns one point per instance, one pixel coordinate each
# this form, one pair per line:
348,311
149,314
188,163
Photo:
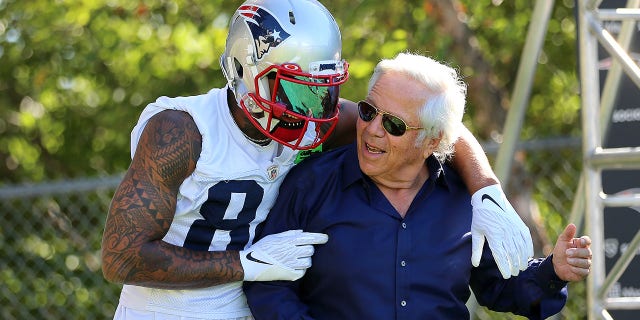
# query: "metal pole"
590,141
522,89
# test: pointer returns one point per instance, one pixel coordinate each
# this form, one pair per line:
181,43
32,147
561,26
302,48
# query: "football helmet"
282,62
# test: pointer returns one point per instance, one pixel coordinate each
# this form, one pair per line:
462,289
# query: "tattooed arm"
142,210
471,162
345,131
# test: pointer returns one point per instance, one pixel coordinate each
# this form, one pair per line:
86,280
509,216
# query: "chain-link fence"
50,236
50,246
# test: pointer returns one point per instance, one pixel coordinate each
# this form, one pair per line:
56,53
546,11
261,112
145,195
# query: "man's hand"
280,256
509,239
572,256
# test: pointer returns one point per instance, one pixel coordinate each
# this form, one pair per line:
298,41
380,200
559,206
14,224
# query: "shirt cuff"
547,278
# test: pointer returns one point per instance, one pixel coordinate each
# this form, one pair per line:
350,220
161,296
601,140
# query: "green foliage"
74,75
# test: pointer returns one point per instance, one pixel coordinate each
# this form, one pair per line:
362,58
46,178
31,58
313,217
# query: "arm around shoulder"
471,162
494,219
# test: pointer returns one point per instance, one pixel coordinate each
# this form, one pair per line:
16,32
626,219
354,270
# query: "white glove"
280,256
509,238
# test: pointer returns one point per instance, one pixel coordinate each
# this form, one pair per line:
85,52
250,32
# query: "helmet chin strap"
281,132
287,134
252,108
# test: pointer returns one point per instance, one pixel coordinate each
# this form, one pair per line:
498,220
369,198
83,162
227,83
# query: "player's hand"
572,256
280,256
509,239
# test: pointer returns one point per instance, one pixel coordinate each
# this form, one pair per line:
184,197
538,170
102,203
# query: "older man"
399,218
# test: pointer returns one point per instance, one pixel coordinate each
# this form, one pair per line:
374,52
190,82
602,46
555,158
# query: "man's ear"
431,144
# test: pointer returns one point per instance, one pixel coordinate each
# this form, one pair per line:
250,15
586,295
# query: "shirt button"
403,263
404,225
403,303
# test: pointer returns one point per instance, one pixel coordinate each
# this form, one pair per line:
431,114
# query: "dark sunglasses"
392,124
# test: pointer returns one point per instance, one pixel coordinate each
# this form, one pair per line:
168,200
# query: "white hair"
441,114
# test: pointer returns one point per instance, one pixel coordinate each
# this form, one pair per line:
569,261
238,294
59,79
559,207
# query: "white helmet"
282,61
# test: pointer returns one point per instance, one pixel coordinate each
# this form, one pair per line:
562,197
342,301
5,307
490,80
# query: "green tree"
74,75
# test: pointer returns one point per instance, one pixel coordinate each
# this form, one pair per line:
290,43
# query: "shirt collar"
436,170
351,168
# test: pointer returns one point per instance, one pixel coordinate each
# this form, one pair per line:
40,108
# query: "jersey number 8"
230,207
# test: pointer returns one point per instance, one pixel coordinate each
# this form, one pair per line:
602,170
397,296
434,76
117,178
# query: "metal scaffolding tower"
596,111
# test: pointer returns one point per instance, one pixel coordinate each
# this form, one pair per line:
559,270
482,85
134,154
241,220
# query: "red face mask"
300,104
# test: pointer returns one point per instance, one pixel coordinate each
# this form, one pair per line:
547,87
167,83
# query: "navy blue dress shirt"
378,265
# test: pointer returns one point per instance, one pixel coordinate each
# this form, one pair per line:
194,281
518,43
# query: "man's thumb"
568,233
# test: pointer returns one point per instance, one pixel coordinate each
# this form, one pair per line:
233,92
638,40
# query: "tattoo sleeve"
143,207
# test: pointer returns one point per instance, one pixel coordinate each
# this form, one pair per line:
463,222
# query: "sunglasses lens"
394,125
366,111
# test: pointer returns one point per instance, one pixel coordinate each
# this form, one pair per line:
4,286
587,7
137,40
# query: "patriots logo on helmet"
265,28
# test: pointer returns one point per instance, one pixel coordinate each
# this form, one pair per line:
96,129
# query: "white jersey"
234,185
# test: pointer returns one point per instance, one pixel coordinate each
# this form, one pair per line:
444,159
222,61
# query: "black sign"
621,224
